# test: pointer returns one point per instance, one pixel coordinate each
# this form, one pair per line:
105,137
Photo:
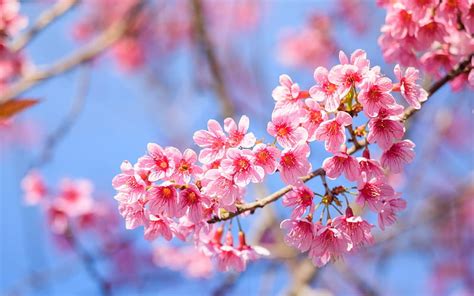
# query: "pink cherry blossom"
285,128
185,165
388,211
400,21
239,164
163,199
75,196
373,191
332,131
325,91
350,73
375,93
301,198
294,164
157,226
410,90
300,233
34,188
158,161
215,184
266,156
340,163
356,227
192,202
399,154
130,186
213,141
329,243
287,93
133,213
229,258
312,118
238,135
370,167
384,131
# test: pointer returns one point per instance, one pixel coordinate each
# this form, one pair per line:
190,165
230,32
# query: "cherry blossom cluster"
71,206
433,35
177,194
11,63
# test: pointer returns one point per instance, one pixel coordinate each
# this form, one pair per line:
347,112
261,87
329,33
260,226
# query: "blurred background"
174,67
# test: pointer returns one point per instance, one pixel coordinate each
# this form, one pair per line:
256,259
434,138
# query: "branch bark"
463,67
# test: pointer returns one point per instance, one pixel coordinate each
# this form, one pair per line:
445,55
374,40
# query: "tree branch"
44,20
251,207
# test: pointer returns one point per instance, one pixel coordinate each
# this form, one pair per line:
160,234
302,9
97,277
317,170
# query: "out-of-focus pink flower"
332,131
75,196
158,226
399,154
300,233
34,188
285,128
300,198
240,165
410,90
340,163
10,19
213,141
294,164
133,213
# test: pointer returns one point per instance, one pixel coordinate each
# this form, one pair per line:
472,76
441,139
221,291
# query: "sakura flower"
370,167
266,156
325,91
229,258
287,93
356,227
388,211
375,93
133,213
158,226
300,233
129,184
185,166
75,196
192,202
400,21
373,191
158,162
300,198
250,252
163,199
313,116
239,164
384,131
34,187
340,163
399,154
410,90
285,128
350,73
57,218
213,141
215,184
332,131
238,135
329,243
294,164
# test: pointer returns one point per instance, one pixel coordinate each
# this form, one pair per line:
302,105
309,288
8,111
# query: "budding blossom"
186,194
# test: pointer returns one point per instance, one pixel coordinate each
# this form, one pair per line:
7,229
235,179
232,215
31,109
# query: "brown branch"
107,38
44,20
208,48
250,207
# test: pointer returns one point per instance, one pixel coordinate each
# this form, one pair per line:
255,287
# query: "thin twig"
460,69
107,38
208,48
44,20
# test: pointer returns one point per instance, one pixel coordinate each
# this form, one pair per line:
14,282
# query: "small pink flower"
229,258
300,233
410,90
294,164
399,154
57,219
286,93
285,128
238,135
312,118
356,227
163,199
75,197
384,131
301,198
158,162
325,91
373,191
375,93
329,243
192,202
332,131
215,184
388,211
340,163
185,165
431,31
370,167
250,252
130,186
350,73
133,213
158,226
239,164
34,187
266,156
213,141
401,22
